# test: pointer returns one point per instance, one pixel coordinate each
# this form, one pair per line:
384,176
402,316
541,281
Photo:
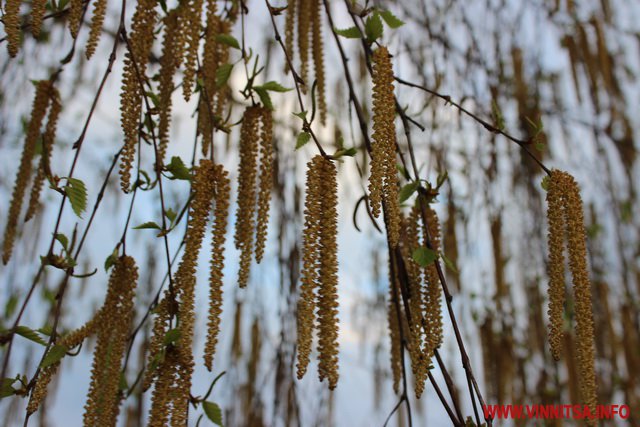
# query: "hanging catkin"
383,182
38,111
11,21
38,8
217,263
433,296
565,188
191,27
44,166
75,16
247,173
289,28
266,181
104,397
135,66
95,30
320,271
304,33
318,58
395,337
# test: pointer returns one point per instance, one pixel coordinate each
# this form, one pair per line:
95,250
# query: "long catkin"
317,47
95,30
191,27
266,181
11,20
38,8
38,112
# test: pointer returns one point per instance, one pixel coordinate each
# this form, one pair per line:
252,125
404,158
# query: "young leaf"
178,169
170,214
301,115
303,138
373,28
264,97
274,87
213,412
424,256
408,190
6,389
391,20
222,74
77,193
30,334
545,183
147,225
450,265
229,40
350,33
111,259
64,241
171,336
54,355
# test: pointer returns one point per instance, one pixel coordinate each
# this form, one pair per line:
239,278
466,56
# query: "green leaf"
7,389
408,190
350,33
10,306
349,152
111,259
402,170
301,115
30,334
213,412
264,97
545,183
424,256
222,74
274,87
391,20
64,241
147,225
178,169
77,193
54,355
373,28
450,265
154,99
171,336
229,40
303,138
170,214
123,385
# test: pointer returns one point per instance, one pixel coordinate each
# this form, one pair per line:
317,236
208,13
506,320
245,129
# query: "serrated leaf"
303,138
229,40
6,389
274,87
64,241
147,225
54,355
265,98
222,74
408,190
178,169
424,256
391,20
76,191
30,334
171,336
350,33
373,28
213,412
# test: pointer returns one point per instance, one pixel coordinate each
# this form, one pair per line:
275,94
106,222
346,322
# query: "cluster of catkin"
383,187
254,188
171,364
308,16
319,276
111,325
46,98
566,227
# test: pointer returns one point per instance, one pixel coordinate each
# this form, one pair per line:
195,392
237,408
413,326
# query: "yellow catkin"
383,182
266,181
135,65
104,398
318,58
304,32
169,63
320,272
328,275
310,263
191,27
203,188
217,263
247,172
38,8
289,28
75,16
38,111
164,387
99,10
556,234
394,333
11,21
577,254
156,344
44,167
433,297
210,63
